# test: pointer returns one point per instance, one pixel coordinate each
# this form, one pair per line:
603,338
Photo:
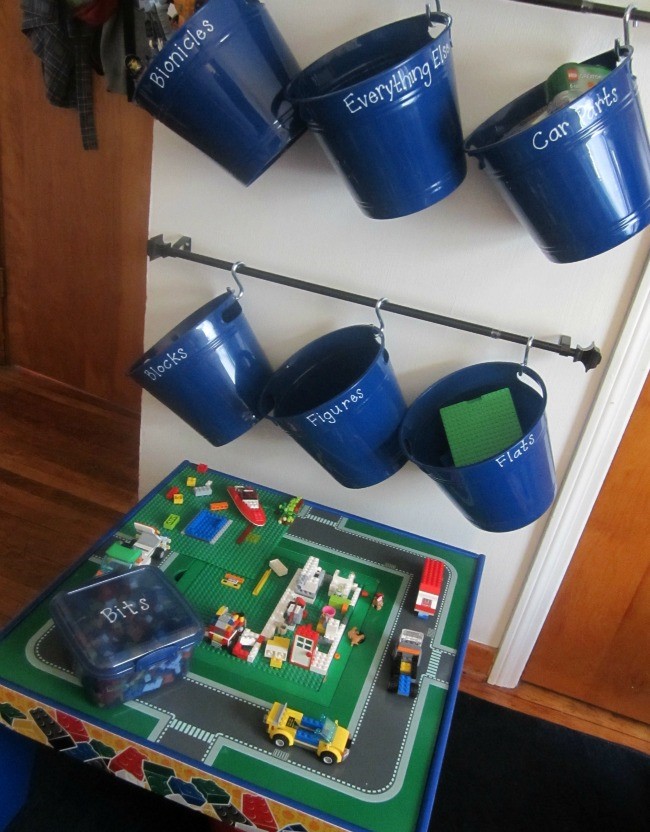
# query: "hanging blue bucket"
579,179
384,107
339,399
511,488
218,83
209,370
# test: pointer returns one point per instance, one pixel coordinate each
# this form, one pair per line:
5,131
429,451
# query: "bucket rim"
511,365
188,325
291,362
622,60
290,90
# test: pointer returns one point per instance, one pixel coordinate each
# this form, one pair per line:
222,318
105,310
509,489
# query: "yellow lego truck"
324,736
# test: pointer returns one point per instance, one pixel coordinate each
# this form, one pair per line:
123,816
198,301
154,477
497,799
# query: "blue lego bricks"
307,737
188,791
207,526
404,685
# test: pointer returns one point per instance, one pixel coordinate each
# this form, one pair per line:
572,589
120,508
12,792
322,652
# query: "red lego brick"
73,726
128,760
257,810
432,575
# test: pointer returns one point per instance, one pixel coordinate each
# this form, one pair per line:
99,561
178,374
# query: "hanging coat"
64,46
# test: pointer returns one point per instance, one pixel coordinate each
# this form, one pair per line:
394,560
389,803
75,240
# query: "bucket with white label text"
577,178
209,370
384,108
511,487
339,399
218,83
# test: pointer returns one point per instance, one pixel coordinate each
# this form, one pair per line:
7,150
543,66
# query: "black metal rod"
591,8
590,356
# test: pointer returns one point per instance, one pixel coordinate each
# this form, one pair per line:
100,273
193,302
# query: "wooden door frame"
613,405
3,275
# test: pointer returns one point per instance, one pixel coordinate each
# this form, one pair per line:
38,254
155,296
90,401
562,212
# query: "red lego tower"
430,587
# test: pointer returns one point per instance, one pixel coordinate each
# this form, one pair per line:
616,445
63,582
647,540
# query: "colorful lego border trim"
149,769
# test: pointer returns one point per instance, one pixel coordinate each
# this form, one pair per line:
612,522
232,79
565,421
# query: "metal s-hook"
233,272
627,45
529,344
627,17
428,12
378,306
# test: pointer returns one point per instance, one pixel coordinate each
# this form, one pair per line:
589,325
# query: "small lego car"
405,662
324,736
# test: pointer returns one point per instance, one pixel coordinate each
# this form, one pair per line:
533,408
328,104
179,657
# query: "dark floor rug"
502,771
508,771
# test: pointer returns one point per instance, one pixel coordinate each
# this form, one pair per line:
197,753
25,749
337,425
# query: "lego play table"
202,740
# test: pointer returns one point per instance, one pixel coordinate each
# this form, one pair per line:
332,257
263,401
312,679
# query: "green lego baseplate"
479,428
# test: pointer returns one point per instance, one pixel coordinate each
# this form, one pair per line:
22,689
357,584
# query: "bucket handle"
527,375
438,16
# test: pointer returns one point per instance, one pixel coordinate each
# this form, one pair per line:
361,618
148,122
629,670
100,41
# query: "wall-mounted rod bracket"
589,357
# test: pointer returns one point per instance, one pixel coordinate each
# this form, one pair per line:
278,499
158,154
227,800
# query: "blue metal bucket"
209,370
513,487
219,83
384,108
579,179
339,399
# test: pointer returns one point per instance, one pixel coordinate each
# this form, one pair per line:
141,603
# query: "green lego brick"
8,713
122,553
149,767
158,784
102,749
211,792
480,428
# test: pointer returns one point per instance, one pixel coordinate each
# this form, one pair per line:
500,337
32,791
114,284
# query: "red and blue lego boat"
248,503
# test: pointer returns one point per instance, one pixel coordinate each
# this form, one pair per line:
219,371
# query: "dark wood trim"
546,704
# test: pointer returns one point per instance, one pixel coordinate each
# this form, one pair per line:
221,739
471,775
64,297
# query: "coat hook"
233,272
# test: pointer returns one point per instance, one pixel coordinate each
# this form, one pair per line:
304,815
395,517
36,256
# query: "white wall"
466,257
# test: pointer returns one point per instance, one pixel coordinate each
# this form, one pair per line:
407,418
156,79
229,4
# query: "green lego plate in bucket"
480,428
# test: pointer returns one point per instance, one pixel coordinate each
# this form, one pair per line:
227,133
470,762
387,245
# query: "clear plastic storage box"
128,633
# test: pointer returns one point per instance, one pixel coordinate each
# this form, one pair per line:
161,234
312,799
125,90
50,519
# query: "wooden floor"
68,471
